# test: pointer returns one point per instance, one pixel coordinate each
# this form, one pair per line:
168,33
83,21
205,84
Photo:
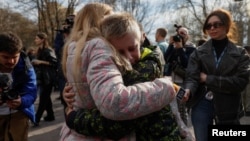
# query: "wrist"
67,111
70,119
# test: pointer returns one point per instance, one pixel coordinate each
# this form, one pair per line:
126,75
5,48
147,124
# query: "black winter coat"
226,82
46,73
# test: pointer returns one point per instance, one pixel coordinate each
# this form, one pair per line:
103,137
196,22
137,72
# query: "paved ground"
50,131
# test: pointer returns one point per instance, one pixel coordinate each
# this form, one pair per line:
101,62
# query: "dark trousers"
45,103
61,85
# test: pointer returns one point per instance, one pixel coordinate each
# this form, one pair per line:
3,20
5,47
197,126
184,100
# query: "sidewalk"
50,131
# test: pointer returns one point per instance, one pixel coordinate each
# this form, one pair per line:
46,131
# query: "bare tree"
15,22
143,10
50,13
241,15
192,13
151,14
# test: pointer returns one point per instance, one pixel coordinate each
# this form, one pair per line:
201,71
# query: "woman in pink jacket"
93,67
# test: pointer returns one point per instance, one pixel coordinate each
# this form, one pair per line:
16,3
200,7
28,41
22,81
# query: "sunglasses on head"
215,25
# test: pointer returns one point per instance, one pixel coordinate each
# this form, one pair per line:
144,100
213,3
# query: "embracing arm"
25,82
90,122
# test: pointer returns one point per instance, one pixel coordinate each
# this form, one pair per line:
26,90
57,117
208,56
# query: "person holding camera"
18,89
176,58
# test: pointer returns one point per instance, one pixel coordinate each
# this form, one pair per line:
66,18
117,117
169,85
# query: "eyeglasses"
215,25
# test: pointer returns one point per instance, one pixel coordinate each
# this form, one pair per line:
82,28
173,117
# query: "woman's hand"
178,44
36,62
176,88
68,96
39,62
203,77
186,95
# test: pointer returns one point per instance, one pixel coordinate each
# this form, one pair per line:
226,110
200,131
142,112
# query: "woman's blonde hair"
86,26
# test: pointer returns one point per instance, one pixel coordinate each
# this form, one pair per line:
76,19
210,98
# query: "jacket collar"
231,48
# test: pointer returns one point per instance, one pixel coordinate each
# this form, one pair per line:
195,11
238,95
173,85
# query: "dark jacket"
24,82
177,58
46,73
226,82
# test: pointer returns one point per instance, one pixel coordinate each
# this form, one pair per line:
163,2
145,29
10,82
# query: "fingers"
68,96
67,88
176,87
186,95
14,104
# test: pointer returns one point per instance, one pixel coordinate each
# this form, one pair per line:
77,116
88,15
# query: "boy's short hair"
10,43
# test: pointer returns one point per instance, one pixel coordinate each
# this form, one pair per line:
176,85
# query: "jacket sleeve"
193,70
25,82
50,56
113,98
29,90
92,123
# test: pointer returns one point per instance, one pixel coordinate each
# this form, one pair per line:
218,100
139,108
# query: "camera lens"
177,38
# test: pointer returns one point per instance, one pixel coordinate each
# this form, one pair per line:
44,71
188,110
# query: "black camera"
177,37
5,84
70,20
66,29
67,25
